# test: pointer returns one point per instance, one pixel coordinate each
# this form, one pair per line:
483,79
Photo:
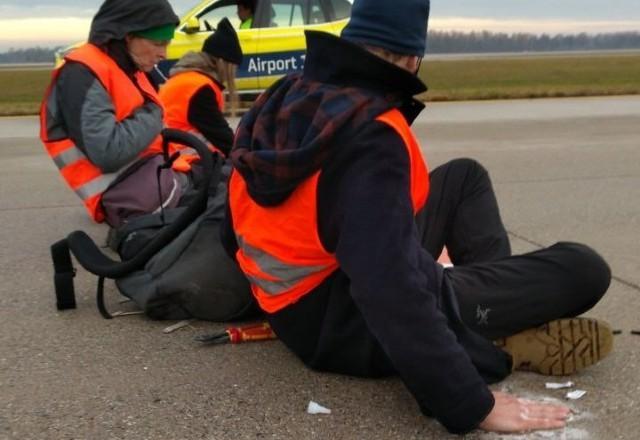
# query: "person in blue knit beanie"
337,222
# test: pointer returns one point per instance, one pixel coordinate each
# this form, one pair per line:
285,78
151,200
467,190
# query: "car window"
341,8
316,14
210,18
286,13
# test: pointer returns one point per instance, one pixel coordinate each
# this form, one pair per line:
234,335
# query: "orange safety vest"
279,249
84,178
176,95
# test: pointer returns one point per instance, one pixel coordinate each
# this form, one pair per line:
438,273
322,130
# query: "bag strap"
95,261
63,279
64,273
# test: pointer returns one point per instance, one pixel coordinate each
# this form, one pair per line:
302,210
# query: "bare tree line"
30,55
445,42
484,41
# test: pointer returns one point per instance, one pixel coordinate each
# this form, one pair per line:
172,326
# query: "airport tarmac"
563,170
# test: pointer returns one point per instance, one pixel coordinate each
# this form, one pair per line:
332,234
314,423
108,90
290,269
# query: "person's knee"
592,271
468,166
475,174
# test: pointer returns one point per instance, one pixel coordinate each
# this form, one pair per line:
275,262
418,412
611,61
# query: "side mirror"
192,25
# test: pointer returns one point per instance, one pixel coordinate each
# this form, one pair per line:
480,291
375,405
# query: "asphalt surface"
562,169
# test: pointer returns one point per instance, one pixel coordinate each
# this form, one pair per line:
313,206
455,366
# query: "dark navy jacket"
388,309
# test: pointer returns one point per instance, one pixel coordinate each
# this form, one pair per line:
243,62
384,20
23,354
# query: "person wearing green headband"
148,47
102,101
158,33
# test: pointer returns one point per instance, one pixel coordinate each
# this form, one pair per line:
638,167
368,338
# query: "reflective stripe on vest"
280,275
279,249
86,179
88,187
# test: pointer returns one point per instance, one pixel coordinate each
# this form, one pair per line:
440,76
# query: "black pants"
500,294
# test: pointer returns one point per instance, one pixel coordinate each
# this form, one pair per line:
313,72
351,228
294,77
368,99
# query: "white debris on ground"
557,386
575,394
558,434
580,415
177,326
316,408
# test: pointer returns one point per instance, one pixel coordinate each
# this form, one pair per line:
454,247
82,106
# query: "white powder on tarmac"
558,434
568,433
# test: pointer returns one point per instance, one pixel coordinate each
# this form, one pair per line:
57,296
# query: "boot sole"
560,347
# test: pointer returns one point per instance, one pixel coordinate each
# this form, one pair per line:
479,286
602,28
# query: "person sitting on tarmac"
101,118
336,221
193,95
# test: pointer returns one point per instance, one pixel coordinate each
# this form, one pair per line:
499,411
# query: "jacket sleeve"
205,115
367,218
89,116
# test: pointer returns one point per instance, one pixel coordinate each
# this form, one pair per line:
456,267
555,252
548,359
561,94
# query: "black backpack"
173,265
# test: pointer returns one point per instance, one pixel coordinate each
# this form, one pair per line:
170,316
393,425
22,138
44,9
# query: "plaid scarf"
291,130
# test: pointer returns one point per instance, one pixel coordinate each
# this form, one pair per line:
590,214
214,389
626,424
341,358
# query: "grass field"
22,90
450,80
532,77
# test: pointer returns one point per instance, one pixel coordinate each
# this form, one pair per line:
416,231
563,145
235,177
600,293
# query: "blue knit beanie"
399,25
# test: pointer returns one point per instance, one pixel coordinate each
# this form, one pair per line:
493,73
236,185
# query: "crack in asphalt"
627,283
567,179
620,280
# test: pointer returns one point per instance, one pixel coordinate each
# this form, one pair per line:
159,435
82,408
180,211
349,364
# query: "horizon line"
67,30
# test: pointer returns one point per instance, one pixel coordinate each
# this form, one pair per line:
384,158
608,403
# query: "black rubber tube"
95,261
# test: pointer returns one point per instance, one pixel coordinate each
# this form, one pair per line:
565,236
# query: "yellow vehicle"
272,47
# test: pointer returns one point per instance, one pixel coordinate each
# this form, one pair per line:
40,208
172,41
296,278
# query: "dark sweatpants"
500,294
497,294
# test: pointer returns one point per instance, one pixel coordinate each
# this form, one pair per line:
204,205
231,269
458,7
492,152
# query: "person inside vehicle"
193,96
101,118
246,9
336,221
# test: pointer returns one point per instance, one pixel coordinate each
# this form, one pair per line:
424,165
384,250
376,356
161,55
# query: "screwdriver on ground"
235,335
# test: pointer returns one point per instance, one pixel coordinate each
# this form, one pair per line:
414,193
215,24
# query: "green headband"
158,33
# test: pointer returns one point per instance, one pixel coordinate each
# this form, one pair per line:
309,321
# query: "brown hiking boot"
560,347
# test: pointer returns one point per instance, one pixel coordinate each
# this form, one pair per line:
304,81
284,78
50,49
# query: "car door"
281,46
200,22
280,27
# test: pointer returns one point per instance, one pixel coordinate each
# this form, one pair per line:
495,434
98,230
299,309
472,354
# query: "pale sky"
57,22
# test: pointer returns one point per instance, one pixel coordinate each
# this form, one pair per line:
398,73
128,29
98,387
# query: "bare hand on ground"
513,414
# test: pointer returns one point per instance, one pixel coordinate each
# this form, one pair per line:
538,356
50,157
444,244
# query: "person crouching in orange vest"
101,118
193,96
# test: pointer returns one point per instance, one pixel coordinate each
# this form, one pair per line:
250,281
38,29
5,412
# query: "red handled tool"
236,335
